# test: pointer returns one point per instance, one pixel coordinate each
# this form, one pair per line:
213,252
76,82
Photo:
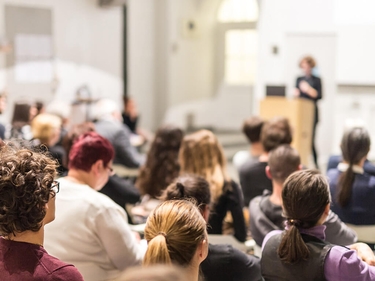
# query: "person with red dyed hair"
91,231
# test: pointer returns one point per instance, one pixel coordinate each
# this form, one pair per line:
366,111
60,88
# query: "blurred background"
193,63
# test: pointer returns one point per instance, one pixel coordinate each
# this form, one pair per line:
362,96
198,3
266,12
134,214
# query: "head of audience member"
130,107
161,166
107,109
90,160
23,112
176,234
27,193
307,63
275,132
355,145
46,128
40,108
252,128
202,154
193,187
306,203
73,134
154,273
282,162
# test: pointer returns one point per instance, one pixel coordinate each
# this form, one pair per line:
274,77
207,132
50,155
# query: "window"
237,20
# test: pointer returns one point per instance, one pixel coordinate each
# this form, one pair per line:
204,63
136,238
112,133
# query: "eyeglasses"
55,187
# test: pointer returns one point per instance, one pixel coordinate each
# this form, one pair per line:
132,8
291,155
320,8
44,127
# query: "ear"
326,210
268,172
97,167
202,250
300,167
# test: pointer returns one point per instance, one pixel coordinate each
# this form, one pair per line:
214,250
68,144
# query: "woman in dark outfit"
310,87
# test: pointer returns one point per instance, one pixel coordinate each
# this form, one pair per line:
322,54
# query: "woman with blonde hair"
202,154
176,234
46,130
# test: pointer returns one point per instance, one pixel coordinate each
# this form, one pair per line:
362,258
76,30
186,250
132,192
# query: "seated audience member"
251,129
90,230
253,176
201,154
46,129
120,190
300,252
23,113
154,273
223,261
130,115
27,204
352,189
160,169
109,125
40,108
266,211
61,109
334,161
176,234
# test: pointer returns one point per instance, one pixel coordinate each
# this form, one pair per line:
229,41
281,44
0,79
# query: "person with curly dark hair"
27,204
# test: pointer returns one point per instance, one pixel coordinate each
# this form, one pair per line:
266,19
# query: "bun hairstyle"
305,196
173,232
355,145
189,187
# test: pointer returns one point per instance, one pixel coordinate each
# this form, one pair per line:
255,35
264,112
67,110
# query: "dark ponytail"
355,145
292,247
305,197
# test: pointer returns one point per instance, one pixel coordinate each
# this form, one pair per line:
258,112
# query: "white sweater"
91,232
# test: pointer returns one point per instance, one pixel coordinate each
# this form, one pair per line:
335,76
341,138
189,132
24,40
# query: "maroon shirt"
20,261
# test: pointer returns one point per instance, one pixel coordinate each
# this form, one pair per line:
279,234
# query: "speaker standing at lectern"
310,87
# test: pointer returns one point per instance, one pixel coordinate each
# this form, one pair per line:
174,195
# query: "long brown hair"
305,196
161,166
202,154
173,232
355,145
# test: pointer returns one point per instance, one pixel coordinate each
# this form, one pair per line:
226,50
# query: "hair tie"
294,222
163,234
181,188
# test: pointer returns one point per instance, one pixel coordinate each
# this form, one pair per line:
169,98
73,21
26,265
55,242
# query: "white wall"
142,57
353,59
87,43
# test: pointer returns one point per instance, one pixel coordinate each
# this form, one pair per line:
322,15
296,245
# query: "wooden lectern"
300,113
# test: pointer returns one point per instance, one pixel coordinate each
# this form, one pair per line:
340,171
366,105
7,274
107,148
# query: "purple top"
20,261
341,264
